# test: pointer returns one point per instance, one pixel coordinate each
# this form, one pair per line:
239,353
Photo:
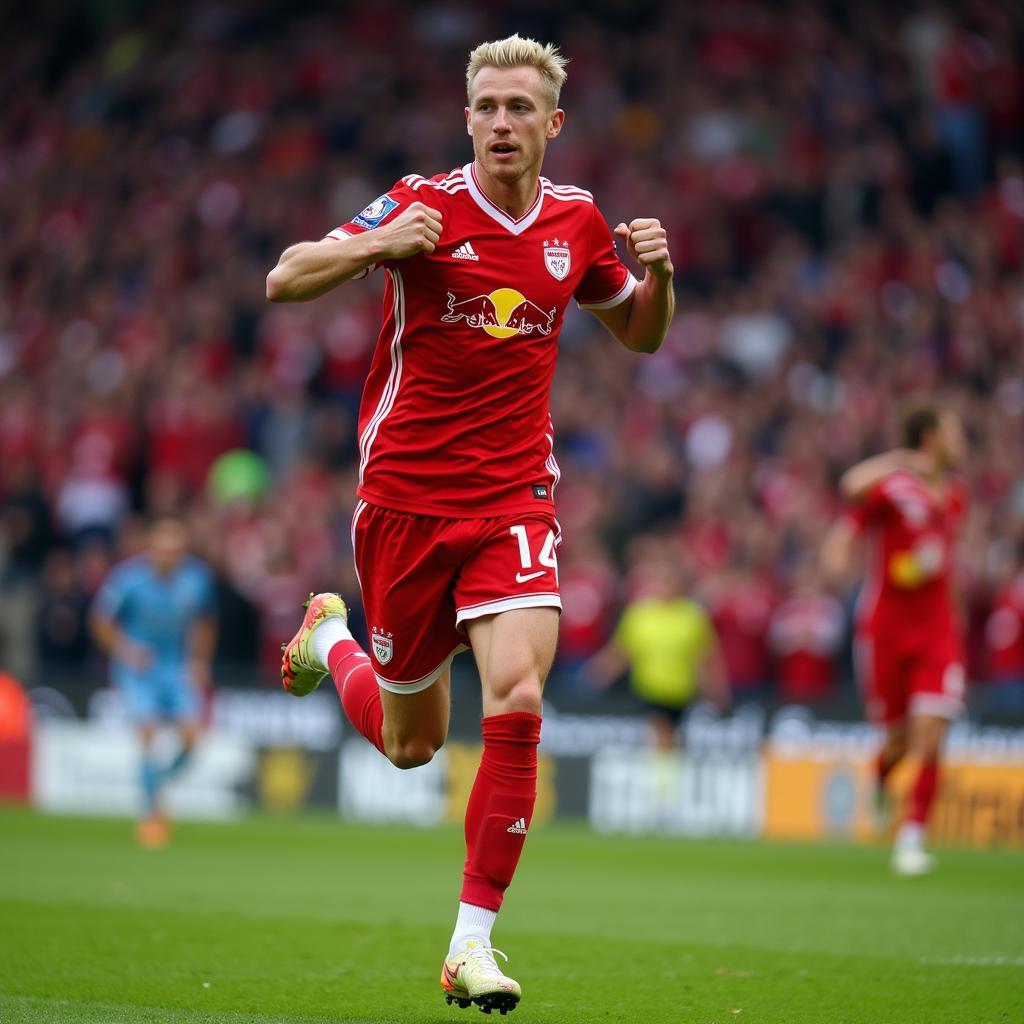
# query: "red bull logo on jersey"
503,313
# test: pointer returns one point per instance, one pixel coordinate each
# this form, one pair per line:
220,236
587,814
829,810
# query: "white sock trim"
326,635
472,923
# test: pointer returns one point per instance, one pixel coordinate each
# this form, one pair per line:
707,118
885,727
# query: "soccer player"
454,534
667,642
908,503
154,617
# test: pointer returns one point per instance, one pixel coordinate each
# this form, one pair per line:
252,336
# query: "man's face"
946,443
168,543
510,121
952,445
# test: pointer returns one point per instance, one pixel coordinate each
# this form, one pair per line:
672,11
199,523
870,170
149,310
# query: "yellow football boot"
301,669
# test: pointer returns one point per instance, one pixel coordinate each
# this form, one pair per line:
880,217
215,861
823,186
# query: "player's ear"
555,122
469,122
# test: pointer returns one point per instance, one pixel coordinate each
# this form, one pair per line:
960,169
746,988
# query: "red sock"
357,687
500,807
922,796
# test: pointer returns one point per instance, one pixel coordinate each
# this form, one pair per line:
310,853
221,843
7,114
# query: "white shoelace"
484,956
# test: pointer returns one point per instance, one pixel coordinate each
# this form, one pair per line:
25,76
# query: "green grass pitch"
309,920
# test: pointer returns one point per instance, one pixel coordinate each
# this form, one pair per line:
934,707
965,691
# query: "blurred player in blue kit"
154,616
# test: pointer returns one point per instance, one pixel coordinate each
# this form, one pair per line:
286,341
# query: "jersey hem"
452,512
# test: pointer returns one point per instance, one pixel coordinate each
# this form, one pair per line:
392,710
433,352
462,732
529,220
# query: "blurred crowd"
844,195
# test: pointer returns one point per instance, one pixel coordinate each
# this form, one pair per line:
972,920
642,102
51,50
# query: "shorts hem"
417,685
936,704
507,604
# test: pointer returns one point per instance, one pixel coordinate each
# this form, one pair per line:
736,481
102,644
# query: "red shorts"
901,676
422,577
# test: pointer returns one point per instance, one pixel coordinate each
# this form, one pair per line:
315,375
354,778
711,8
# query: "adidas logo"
518,827
465,252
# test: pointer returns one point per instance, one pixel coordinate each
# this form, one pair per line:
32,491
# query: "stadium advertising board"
819,783
675,794
373,790
787,776
86,768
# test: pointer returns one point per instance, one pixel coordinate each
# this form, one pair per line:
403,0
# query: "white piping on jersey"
619,297
451,184
516,227
387,398
566,193
562,198
548,183
550,463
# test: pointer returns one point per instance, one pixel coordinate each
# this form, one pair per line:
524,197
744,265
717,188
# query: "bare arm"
202,644
641,322
714,681
837,551
603,668
309,269
115,644
857,481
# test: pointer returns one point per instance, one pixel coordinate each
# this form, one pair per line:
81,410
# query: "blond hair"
517,52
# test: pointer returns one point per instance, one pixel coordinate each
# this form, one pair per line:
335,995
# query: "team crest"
383,645
557,258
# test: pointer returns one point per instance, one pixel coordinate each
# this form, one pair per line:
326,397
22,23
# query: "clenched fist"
648,244
416,229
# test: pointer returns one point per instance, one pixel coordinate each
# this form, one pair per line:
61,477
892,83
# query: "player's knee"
524,695
412,753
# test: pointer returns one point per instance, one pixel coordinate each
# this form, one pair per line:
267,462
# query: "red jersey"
805,635
455,416
1004,632
741,613
911,532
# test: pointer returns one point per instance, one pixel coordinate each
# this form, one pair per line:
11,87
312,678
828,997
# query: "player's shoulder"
901,483
566,193
440,185
127,574
133,568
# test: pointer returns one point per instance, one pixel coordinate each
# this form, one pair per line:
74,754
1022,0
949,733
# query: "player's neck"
934,475
514,197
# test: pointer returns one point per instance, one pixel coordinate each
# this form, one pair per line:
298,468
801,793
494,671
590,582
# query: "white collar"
516,227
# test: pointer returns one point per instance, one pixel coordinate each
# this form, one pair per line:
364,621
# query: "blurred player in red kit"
454,534
908,503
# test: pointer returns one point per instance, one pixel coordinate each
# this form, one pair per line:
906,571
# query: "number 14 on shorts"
546,557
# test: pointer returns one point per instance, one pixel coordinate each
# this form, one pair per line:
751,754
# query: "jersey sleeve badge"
375,212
